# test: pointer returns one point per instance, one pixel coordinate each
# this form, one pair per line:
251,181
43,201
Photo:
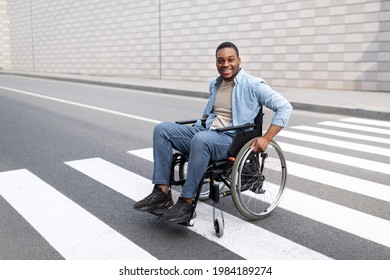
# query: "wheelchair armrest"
236,127
191,121
186,122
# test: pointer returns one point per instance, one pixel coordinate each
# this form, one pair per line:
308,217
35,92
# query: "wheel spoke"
257,193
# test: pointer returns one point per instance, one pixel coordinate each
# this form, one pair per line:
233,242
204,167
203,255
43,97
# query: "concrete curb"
352,112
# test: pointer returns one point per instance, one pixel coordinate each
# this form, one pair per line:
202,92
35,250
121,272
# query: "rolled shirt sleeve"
277,103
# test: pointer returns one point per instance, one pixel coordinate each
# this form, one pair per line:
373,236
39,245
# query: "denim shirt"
249,94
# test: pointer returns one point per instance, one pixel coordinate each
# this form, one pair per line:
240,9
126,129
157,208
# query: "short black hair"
227,45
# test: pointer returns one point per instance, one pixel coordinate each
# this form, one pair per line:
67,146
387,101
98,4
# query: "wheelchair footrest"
187,224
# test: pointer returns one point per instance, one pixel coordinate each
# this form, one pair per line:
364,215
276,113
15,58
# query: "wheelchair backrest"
243,137
259,122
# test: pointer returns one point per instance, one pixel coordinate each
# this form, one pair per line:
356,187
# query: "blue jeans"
200,144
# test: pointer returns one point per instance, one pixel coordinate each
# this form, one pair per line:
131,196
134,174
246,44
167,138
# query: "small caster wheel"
218,228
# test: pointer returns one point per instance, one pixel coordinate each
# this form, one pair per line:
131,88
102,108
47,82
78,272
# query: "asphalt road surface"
74,158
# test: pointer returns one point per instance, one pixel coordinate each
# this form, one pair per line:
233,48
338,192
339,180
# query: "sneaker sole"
161,210
176,220
154,207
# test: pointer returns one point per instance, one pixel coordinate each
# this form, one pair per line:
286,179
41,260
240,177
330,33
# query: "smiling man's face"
228,64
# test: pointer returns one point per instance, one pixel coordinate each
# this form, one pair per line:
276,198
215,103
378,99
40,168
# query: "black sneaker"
155,201
180,212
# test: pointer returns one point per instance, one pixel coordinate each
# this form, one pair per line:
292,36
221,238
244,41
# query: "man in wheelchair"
235,99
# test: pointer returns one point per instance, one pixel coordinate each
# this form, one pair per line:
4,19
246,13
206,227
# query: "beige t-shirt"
223,105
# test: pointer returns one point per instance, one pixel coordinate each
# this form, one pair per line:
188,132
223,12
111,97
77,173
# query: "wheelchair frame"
253,180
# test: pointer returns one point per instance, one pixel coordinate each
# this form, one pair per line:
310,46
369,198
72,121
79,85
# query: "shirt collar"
237,78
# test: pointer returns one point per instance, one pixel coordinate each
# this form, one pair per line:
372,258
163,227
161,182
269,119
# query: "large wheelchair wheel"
258,180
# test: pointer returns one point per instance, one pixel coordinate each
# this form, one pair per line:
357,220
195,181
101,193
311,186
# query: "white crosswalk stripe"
70,229
367,122
336,143
357,127
340,181
329,213
77,234
270,246
355,222
343,134
336,158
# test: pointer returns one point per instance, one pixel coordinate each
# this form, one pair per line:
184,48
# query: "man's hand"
261,143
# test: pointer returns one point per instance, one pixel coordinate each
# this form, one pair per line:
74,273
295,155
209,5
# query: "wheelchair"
256,181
